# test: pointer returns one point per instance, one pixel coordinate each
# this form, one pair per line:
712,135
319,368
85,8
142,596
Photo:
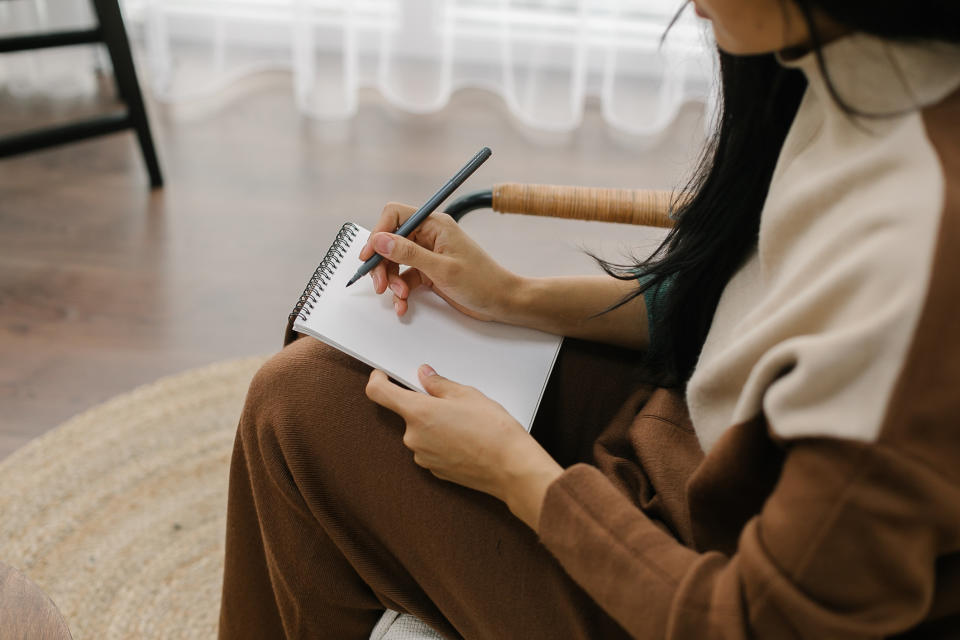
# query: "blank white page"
510,365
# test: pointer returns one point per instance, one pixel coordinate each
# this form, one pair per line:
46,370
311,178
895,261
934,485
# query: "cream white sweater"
809,483
814,329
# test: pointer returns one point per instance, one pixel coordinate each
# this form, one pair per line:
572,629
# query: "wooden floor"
105,285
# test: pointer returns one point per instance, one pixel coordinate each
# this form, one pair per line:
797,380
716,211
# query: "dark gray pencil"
428,207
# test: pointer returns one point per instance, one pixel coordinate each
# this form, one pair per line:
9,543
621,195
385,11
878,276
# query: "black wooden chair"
110,32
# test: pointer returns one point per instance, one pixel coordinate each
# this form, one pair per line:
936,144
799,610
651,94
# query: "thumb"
404,251
436,385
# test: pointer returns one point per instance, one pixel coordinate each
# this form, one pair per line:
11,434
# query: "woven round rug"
119,513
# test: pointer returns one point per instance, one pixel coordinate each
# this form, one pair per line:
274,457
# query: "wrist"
517,302
527,474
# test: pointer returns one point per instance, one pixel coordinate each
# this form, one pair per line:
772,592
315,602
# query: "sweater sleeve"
845,547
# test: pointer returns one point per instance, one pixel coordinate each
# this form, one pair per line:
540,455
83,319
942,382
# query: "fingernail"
396,289
427,370
396,306
383,244
376,280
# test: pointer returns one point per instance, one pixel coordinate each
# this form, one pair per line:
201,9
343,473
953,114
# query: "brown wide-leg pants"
329,520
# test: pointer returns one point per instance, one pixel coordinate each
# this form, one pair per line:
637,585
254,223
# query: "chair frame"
110,32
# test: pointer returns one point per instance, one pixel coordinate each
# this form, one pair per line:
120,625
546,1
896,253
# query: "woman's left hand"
460,435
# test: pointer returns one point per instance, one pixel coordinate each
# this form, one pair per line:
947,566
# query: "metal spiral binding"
321,277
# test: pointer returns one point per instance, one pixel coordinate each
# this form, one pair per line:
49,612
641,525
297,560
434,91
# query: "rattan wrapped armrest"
630,206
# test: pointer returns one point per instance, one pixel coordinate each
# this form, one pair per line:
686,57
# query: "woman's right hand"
441,256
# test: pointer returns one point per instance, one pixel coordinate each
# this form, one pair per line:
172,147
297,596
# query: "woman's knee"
310,399
309,426
298,388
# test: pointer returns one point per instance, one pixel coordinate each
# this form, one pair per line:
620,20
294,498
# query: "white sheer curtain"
544,57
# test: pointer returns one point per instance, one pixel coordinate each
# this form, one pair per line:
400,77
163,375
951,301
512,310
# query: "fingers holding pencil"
387,273
428,207
446,259
393,215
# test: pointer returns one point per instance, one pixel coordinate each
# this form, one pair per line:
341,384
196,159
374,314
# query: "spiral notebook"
510,365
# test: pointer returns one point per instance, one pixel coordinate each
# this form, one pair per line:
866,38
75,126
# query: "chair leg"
115,37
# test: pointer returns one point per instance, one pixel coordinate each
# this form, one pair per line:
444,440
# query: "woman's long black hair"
718,221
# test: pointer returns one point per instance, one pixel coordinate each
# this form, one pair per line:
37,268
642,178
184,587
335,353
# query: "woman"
795,473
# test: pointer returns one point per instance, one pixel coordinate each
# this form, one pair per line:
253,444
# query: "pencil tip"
352,280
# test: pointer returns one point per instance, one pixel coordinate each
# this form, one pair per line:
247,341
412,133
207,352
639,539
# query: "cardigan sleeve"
845,547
